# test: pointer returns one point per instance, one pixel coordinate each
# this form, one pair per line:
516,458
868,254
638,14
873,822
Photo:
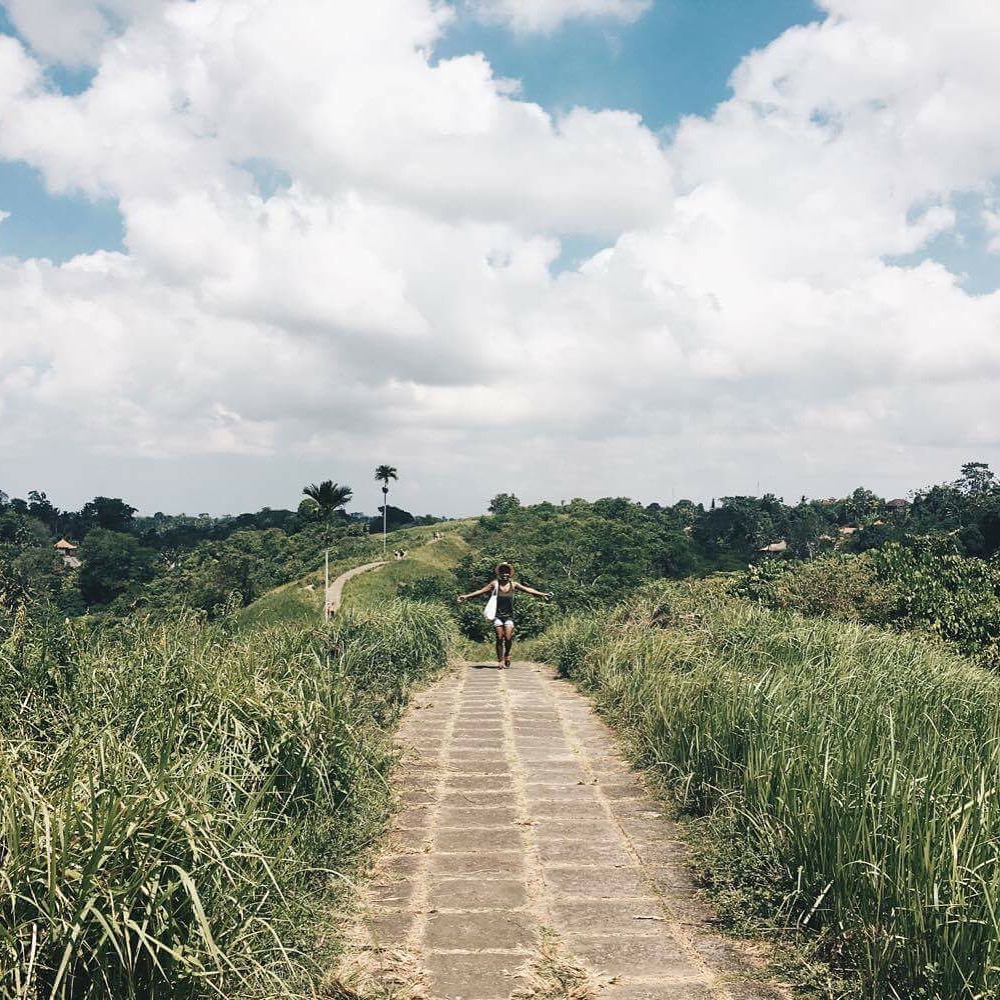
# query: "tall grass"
856,771
178,800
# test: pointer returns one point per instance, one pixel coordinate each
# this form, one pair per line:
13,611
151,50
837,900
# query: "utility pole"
326,586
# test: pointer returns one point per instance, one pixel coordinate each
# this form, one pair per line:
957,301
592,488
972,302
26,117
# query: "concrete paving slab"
476,798
473,977
638,917
568,809
476,816
389,929
638,957
486,931
480,864
601,831
392,894
677,990
600,882
478,894
479,766
478,782
583,851
476,841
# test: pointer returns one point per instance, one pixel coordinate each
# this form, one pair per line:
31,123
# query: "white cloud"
548,15
4,215
399,291
73,32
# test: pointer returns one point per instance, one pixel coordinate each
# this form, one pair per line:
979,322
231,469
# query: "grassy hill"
301,601
433,560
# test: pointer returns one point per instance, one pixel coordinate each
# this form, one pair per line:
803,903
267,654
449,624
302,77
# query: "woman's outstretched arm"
532,591
477,593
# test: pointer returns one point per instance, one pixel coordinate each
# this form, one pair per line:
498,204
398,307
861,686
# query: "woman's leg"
500,645
508,633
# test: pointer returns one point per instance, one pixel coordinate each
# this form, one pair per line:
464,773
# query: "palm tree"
327,497
383,474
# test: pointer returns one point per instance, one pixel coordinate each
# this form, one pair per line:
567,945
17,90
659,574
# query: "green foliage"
847,587
248,564
30,574
504,504
112,563
732,533
925,585
383,473
850,772
428,588
587,554
108,513
327,497
956,597
175,796
22,531
395,518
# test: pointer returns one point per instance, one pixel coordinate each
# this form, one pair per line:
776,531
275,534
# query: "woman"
503,620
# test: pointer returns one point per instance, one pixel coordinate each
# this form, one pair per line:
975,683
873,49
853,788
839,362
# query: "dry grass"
555,974
369,973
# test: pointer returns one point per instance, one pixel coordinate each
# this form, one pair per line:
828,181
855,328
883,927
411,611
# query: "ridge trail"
335,592
521,824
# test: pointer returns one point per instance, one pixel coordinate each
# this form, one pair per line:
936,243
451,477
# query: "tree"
976,478
383,473
503,504
733,532
863,506
112,562
35,572
393,517
327,497
804,529
41,508
109,513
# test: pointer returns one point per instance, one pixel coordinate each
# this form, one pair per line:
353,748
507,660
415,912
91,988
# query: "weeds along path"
335,592
527,860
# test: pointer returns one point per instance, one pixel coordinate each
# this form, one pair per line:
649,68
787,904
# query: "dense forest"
116,561
927,561
930,562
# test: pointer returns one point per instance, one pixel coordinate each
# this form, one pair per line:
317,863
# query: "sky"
560,248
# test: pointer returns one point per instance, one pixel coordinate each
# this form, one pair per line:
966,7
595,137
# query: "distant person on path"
503,619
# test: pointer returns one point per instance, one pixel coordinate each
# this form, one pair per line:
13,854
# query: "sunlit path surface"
525,842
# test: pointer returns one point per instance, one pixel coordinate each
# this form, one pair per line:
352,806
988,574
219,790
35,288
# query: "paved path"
518,814
334,593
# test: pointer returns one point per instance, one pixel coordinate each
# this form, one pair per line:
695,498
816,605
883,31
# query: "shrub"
173,794
847,587
851,771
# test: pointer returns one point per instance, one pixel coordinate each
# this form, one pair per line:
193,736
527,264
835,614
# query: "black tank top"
505,602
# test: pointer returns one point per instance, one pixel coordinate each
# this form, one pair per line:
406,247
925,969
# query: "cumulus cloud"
73,32
401,286
548,15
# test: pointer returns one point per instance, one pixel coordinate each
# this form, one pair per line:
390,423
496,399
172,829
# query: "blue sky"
393,298
674,61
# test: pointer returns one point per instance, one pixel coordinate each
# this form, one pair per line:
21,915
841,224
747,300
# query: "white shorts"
499,623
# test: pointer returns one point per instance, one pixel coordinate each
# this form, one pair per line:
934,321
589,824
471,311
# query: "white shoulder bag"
490,611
